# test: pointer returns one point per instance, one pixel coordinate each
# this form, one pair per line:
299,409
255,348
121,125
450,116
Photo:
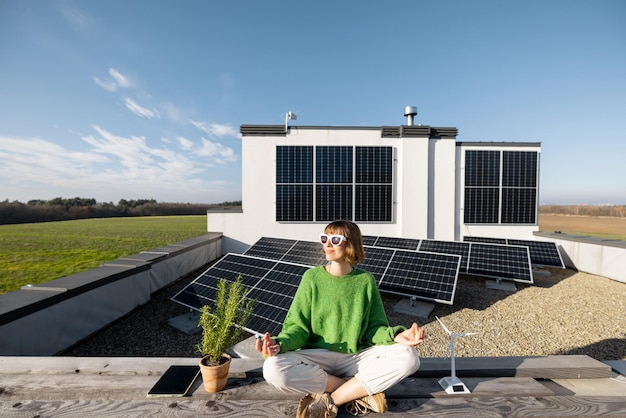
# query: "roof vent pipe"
409,112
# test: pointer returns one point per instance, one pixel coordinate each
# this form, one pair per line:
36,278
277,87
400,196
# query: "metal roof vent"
409,112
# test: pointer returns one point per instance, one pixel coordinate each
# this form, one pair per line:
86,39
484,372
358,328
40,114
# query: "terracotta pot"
215,377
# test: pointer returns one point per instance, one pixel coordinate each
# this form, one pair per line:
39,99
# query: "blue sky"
143,99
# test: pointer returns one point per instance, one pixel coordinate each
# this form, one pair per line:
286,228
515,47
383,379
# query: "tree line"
618,211
60,209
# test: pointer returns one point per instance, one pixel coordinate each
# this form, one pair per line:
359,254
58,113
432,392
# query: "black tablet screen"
176,381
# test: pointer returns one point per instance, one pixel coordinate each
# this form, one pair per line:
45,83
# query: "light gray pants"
375,368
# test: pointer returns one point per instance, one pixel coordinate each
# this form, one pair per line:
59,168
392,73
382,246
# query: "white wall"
442,163
412,190
606,258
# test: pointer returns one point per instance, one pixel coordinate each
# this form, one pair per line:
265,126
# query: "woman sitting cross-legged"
336,345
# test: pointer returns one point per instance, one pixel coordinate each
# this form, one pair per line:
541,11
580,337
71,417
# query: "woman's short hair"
354,240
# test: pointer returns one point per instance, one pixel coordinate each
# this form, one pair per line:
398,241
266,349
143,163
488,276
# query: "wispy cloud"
140,110
215,130
185,143
115,81
79,20
218,152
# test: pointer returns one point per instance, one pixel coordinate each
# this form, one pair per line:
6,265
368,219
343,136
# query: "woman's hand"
413,336
266,346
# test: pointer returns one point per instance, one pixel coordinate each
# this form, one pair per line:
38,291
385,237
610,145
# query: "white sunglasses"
335,239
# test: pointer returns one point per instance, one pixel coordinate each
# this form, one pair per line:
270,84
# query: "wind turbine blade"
471,333
444,327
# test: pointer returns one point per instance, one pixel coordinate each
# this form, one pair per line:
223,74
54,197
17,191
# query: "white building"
409,181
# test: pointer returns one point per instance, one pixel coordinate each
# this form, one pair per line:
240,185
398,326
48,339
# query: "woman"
336,345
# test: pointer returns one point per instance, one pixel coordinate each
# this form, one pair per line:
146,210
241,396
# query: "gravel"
563,312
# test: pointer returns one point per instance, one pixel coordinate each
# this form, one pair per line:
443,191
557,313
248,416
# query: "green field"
40,252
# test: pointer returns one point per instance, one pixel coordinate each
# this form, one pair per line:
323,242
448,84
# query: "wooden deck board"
451,407
548,367
94,387
80,386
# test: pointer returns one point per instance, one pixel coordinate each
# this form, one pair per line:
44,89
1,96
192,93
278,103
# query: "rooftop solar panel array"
271,270
542,253
428,276
497,261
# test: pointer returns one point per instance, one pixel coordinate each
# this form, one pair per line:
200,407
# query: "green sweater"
339,313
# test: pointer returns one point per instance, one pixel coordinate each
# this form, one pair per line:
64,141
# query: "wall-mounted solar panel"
272,283
448,247
542,253
505,262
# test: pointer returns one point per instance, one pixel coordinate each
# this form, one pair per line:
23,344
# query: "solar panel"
542,253
500,261
274,295
301,252
448,247
271,283
427,276
325,183
500,187
485,239
369,240
306,252
392,242
376,261
272,248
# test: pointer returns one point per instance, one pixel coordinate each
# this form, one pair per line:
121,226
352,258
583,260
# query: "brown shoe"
316,405
375,402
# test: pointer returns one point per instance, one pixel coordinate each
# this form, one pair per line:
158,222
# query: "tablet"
176,381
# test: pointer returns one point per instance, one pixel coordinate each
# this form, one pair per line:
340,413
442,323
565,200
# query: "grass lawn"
40,252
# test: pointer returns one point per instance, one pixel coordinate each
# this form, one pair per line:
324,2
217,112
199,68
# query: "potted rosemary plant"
222,327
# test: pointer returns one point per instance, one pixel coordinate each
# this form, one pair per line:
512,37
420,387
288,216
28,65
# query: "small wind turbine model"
452,384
